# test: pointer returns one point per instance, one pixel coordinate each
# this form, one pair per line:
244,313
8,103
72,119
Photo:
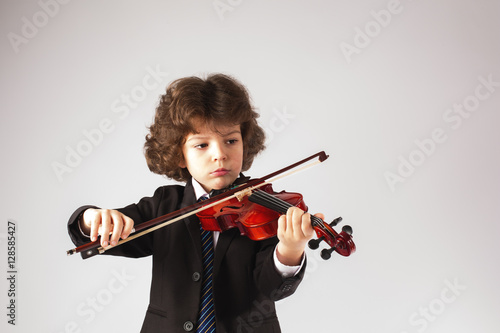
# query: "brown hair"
217,100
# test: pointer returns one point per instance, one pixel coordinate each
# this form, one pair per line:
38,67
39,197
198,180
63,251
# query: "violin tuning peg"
314,243
327,253
347,229
336,221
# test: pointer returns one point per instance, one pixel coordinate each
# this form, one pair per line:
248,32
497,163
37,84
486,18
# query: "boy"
205,133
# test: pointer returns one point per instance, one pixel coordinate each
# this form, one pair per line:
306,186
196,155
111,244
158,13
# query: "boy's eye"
232,141
201,145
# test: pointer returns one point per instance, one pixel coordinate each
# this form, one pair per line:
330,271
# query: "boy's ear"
182,163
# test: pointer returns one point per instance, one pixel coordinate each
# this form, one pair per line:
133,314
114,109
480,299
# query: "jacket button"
188,326
196,276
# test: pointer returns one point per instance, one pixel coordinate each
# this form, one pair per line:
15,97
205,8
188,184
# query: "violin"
256,216
254,208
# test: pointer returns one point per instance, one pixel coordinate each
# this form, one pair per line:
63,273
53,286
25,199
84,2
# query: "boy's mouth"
219,172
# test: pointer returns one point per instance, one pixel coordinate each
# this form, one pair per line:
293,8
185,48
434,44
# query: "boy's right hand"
109,223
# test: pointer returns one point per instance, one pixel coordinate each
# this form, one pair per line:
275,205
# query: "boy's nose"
219,153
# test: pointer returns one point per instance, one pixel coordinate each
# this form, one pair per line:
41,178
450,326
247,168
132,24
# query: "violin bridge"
242,194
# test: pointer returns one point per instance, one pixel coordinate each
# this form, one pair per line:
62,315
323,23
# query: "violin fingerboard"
269,201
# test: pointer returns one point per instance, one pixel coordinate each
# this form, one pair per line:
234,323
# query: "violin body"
256,216
254,221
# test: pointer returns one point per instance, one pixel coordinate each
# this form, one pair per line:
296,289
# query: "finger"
295,221
95,220
281,227
299,216
320,215
301,223
117,224
306,226
129,226
290,213
105,227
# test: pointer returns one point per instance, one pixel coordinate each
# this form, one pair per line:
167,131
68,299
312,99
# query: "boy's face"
214,159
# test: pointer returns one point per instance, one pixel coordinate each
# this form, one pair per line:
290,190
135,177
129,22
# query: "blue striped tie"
206,316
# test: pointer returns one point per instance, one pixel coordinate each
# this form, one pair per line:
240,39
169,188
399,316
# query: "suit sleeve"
146,209
269,281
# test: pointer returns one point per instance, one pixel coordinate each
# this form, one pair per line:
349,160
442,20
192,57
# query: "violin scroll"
341,243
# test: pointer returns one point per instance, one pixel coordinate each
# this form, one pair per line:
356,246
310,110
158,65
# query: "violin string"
272,202
268,200
281,205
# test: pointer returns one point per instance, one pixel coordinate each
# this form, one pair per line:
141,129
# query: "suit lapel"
225,239
192,222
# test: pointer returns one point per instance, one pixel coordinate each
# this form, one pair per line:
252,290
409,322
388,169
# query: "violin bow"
93,248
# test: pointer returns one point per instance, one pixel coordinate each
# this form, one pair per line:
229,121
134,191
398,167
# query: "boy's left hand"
294,231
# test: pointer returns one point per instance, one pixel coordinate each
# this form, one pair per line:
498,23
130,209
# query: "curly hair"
217,100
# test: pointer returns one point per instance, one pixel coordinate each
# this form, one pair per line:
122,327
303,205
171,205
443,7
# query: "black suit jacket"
246,283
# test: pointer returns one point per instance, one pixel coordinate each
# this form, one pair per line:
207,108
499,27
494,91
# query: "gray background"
427,257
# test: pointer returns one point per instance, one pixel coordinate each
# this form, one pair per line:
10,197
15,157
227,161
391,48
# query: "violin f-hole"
231,208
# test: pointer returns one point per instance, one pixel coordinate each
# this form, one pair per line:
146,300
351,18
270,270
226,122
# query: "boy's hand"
107,223
294,231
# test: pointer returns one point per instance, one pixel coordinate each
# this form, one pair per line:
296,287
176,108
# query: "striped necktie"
206,316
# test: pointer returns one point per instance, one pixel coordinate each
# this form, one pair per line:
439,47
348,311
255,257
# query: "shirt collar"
199,191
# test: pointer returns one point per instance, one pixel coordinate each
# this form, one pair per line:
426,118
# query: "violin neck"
269,201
